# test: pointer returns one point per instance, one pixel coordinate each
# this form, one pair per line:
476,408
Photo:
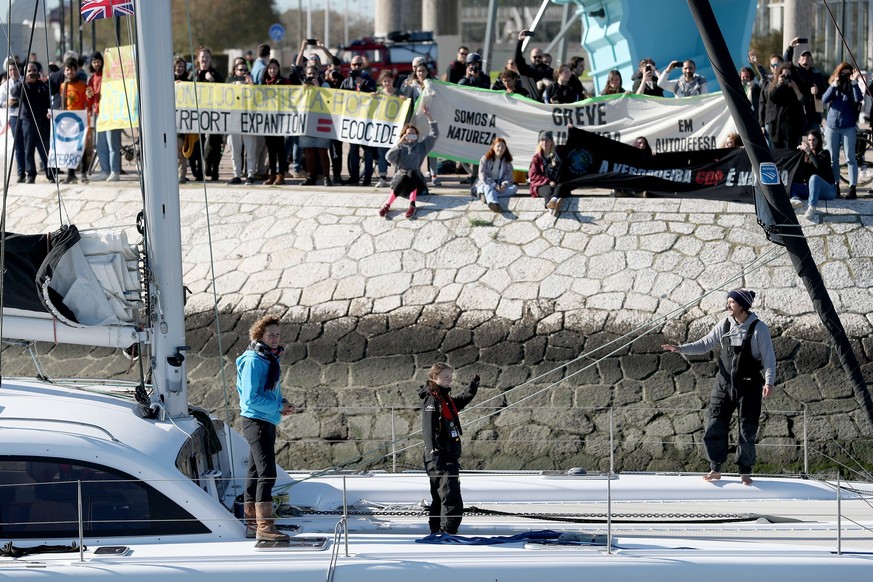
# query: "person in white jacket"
7,101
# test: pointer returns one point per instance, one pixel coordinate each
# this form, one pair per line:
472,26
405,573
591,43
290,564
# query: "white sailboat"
95,484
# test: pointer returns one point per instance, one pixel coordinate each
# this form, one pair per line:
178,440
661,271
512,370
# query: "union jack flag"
94,9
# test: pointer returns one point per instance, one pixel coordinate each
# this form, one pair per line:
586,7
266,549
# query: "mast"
163,224
777,198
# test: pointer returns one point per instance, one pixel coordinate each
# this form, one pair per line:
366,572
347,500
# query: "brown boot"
266,527
279,180
250,519
270,180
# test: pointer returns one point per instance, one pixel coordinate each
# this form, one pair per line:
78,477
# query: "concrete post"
393,15
798,19
443,17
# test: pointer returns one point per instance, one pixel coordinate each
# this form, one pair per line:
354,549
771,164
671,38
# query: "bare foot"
712,476
746,479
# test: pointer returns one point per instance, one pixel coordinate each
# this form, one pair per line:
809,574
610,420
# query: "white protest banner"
349,116
69,130
469,119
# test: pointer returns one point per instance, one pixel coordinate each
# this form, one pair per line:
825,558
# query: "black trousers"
446,507
547,193
723,401
261,475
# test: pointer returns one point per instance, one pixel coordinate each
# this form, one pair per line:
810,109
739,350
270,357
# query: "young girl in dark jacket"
441,430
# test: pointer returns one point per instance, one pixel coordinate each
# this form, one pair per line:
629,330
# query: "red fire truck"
394,51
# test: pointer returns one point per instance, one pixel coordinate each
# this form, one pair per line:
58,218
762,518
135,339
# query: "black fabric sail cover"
28,257
594,161
775,196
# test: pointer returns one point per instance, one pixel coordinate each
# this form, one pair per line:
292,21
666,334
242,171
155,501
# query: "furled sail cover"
82,279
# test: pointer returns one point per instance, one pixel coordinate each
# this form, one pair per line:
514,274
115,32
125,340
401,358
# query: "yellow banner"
225,108
119,62
118,105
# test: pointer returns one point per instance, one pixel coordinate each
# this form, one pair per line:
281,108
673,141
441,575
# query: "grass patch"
480,222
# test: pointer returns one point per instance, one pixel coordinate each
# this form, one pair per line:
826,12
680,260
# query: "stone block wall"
562,318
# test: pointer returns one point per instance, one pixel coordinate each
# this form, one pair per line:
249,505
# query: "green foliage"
766,45
480,222
221,25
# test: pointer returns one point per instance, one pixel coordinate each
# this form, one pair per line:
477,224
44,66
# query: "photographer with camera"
540,73
690,83
34,104
810,81
844,100
785,115
474,76
645,80
359,79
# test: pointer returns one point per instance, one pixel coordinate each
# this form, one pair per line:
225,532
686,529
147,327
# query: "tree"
767,44
221,25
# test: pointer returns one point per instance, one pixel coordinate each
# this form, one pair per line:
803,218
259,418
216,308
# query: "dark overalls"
738,386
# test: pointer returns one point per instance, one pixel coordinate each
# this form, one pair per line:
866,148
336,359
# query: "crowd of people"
29,92
790,100
794,101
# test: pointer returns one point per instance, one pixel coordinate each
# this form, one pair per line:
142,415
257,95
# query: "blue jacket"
256,401
843,108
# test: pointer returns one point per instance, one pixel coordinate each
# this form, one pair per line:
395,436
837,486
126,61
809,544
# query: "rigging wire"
839,32
5,181
377,454
219,345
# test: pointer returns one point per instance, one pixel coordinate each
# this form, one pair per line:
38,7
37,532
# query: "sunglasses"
357,64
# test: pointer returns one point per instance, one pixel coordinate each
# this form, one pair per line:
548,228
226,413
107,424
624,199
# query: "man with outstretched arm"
746,372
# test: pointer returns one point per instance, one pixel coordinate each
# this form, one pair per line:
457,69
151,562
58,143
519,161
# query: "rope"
212,277
379,454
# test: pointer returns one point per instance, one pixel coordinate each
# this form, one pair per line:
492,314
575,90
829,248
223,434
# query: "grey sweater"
762,344
406,157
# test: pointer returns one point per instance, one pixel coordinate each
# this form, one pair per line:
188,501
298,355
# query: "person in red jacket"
544,173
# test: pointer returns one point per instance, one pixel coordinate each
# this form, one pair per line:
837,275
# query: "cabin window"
38,499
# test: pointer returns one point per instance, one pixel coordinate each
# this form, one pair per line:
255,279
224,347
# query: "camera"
310,80
311,41
648,68
527,33
803,41
355,73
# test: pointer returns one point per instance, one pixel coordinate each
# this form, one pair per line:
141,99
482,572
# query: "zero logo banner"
67,139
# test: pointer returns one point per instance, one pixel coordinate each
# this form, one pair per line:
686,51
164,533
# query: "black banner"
594,161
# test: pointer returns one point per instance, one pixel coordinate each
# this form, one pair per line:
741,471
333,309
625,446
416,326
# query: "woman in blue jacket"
261,408
844,99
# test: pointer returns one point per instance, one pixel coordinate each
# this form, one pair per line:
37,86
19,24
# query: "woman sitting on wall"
545,170
495,175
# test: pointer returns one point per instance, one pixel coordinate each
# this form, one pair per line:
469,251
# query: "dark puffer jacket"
442,434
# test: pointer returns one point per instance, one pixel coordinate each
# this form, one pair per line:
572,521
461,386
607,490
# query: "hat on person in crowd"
96,55
546,134
806,52
744,297
473,58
